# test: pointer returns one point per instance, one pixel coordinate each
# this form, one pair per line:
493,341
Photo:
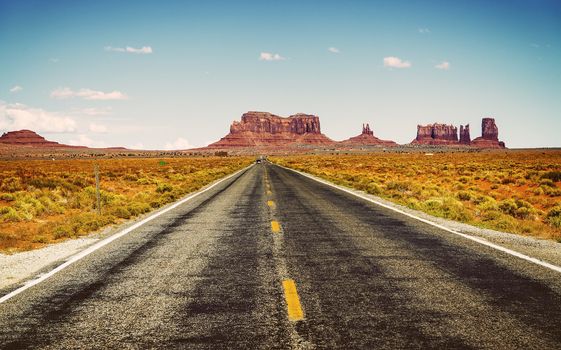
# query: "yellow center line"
293,306
271,204
275,226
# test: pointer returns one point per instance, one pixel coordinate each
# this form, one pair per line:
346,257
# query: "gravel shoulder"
545,250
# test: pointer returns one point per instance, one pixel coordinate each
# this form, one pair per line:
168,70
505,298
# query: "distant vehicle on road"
258,161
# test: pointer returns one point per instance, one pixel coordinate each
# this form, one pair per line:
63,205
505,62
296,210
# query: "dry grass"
513,191
47,201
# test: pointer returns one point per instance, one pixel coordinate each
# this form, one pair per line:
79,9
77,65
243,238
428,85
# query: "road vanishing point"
271,259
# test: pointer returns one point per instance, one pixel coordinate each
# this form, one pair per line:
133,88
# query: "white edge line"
110,239
466,236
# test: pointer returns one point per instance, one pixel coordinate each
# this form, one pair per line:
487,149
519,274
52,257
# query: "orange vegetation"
513,191
45,201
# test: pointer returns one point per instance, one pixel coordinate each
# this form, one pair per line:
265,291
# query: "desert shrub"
40,239
552,175
447,207
9,214
554,216
413,203
373,188
508,206
121,212
145,181
507,180
550,191
164,187
398,186
464,196
11,184
7,197
547,183
42,182
138,208
131,177
538,191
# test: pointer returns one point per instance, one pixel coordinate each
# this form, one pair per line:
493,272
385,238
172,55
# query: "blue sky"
172,74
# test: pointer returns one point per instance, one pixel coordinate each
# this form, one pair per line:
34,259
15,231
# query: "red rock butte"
447,135
367,138
26,138
489,135
263,129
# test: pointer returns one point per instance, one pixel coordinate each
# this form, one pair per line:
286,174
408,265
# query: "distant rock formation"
367,138
489,135
436,134
447,135
265,129
26,137
465,138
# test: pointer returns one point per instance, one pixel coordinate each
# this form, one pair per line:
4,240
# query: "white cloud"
396,62
267,56
18,116
143,50
179,143
97,128
444,65
95,111
333,50
54,60
424,30
16,88
88,94
84,140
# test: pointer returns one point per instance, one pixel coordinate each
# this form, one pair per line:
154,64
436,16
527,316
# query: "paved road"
271,259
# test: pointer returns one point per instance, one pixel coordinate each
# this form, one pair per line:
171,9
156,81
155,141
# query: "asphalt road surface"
272,259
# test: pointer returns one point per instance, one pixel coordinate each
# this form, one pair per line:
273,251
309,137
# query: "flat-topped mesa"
436,134
267,129
465,138
367,138
264,122
489,135
26,137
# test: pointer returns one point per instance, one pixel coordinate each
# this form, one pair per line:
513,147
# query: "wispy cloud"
54,60
143,50
423,30
444,65
396,62
267,56
97,128
84,140
87,94
178,144
16,88
94,111
18,116
333,50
